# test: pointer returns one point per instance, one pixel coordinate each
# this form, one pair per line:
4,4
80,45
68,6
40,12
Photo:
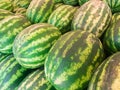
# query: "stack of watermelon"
59,44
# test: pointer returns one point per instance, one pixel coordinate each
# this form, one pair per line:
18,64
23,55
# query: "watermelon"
36,81
107,76
9,28
39,10
5,14
111,40
114,5
73,59
92,18
6,4
71,2
62,17
11,73
31,46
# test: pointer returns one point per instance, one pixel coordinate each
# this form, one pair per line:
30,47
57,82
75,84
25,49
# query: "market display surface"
59,44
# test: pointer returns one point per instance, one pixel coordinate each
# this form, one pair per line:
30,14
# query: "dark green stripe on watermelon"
93,18
111,40
11,73
62,17
32,45
36,81
6,4
73,59
114,5
9,28
40,10
5,14
107,76
3,56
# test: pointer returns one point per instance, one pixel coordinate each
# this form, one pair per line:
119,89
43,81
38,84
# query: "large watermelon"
62,17
111,38
93,18
32,45
107,76
40,10
73,59
36,81
9,28
11,73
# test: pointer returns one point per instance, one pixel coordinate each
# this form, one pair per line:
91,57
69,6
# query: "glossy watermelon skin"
114,5
31,46
36,81
5,14
62,17
73,59
9,28
11,73
107,76
94,18
39,10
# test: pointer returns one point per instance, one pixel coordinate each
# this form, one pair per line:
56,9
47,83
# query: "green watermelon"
111,40
107,76
31,46
9,28
5,14
39,10
36,81
92,18
11,73
62,17
73,59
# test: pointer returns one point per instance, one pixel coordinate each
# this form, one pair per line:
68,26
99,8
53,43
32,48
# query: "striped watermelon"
70,2
3,56
5,13
11,73
114,5
9,28
39,10
32,45
93,18
107,76
81,2
72,60
36,81
111,38
62,17
6,4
